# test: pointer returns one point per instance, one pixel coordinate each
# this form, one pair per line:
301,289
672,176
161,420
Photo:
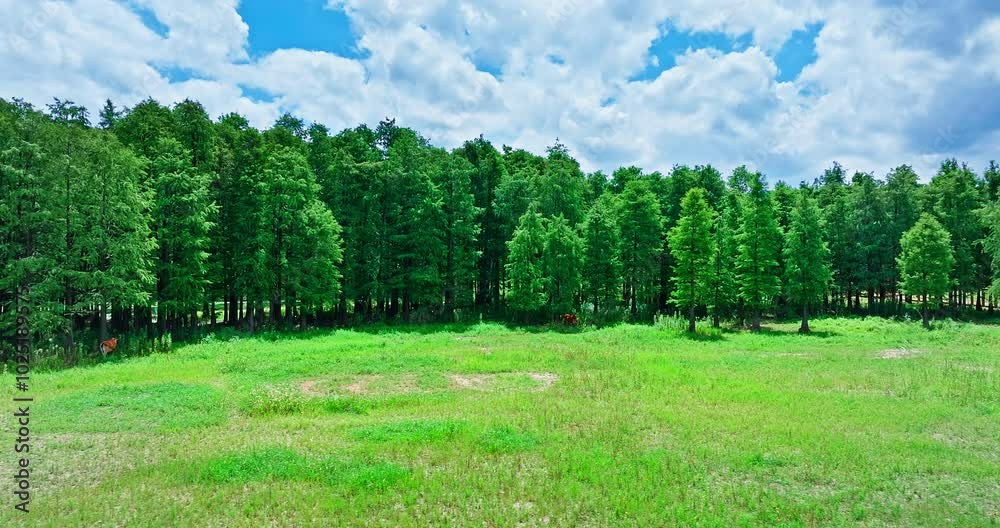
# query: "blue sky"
786,86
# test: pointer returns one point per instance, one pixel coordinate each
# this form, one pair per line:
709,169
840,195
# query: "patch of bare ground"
502,382
361,384
544,379
899,353
309,388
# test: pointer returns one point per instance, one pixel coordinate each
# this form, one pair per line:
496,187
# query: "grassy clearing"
866,423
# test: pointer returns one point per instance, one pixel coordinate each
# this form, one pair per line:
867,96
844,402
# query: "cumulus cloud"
907,81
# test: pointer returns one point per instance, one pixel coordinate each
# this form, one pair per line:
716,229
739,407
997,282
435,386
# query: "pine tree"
953,197
990,217
926,263
461,230
759,242
602,267
525,272
868,221
723,291
109,115
692,248
807,259
182,214
563,260
903,207
641,227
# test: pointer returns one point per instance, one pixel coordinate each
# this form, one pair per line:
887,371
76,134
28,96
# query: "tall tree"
525,267
926,263
759,242
602,267
723,291
563,260
640,225
807,259
691,245
903,207
182,214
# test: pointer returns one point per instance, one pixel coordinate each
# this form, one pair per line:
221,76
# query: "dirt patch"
899,353
309,388
361,384
544,379
503,382
471,381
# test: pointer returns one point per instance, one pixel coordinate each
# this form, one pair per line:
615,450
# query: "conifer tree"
641,225
926,263
723,291
182,216
759,242
563,260
525,271
692,248
807,259
602,268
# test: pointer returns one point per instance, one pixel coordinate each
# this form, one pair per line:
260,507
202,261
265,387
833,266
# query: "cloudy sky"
786,86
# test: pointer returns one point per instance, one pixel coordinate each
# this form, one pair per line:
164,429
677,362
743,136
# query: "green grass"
865,423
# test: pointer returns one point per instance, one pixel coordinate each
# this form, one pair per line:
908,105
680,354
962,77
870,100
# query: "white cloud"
877,95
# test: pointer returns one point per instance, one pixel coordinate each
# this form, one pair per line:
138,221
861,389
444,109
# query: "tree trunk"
755,319
691,328
804,329
924,315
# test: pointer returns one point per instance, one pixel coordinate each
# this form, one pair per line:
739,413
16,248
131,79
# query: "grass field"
864,423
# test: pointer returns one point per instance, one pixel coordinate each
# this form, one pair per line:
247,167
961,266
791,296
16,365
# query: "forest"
159,221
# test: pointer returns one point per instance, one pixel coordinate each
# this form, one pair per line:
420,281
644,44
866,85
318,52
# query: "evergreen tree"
868,221
692,248
807,259
640,225
953,197
109,115
563,260
722,287
990,216
602,267
926,263
182,213
525,271
461,230
903,208
758,244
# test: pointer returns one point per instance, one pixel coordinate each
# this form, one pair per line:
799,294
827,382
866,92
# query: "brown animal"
569,319
109,346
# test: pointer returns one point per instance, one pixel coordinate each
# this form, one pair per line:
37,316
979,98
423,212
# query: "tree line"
158,220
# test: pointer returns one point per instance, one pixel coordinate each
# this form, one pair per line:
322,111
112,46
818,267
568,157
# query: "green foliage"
807,258
641,226
525,271
691,245
990,217
926,263
602,266
722,286
563,261
759,242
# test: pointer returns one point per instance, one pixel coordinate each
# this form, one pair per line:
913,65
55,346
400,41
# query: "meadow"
866,422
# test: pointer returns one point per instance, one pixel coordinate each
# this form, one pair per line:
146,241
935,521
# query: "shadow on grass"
819,334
